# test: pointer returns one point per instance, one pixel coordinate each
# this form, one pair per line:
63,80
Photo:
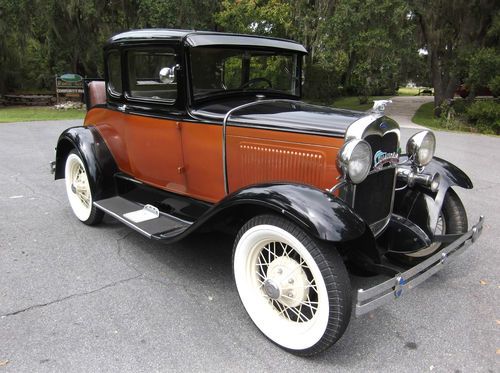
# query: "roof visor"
201,39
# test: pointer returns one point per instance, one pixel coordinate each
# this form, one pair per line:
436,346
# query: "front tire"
79,190
296,292
452,220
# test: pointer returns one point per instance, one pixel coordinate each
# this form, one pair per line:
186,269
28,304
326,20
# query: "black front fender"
318,212
95,154
423,206
450,174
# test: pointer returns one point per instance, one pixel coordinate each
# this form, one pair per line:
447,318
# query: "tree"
373,42
14,22
349,47
447,30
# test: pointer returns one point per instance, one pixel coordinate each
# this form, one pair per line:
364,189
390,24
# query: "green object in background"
71,78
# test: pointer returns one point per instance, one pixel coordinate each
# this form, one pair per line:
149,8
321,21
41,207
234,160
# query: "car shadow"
202,263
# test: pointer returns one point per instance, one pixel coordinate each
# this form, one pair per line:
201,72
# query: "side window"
152,74
114,73
232,72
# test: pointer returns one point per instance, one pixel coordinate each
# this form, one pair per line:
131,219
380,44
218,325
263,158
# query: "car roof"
203,38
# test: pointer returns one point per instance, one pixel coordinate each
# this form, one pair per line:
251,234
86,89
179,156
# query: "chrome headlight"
355,160
421,147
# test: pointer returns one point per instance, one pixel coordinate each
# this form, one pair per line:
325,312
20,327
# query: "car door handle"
122,108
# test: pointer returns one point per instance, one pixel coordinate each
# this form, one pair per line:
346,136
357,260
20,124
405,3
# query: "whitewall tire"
296,292
79,190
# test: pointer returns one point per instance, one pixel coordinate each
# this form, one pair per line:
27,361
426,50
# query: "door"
154,143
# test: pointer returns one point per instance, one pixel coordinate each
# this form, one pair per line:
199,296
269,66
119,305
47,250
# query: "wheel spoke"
302,303
261,276
312,285
261,255
298,314
299,309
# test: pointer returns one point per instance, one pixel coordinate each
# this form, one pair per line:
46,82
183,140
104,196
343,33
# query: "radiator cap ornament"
379,106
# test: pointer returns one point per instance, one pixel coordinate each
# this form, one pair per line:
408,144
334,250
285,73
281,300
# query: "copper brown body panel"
181,157
186,157
111,126
257,156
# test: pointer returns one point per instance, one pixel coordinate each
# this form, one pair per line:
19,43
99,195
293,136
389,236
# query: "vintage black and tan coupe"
193,130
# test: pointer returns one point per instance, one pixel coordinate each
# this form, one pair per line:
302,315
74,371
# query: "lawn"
403,91
34,113
425,116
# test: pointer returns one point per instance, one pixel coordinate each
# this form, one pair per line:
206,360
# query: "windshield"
220,70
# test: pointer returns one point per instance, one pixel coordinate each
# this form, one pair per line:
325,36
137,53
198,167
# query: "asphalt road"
78,298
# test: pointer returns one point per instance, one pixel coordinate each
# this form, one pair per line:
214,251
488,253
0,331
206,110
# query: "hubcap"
290,279
271,289
286,282
80,187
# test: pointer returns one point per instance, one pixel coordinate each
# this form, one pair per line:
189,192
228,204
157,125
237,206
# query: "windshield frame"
246,92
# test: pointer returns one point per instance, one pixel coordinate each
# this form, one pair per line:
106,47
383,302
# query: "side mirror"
168,74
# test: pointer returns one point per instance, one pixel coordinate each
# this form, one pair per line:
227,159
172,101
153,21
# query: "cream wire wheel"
79,190
295,292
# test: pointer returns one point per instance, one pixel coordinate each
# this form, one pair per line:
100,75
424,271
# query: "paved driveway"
79,298
403,108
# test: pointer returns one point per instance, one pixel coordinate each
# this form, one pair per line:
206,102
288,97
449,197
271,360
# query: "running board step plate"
157,225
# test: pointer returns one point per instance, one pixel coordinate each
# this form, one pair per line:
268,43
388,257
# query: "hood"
287,115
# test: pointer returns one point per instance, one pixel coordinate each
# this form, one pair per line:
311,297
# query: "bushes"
485,116
494,86
481,116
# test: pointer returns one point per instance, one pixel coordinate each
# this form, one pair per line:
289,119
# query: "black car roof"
203,38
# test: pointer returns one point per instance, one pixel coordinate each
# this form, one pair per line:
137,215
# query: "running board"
146,220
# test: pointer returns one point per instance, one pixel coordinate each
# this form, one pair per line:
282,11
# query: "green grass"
425,116
403,91
34,113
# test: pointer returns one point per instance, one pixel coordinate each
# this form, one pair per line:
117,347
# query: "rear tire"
79,190
295,291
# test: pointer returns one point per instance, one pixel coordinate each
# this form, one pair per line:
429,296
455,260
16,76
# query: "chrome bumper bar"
394,288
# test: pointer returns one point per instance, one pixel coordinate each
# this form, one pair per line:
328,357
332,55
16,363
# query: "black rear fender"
95,155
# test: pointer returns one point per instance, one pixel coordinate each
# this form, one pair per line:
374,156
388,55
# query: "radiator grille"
373,197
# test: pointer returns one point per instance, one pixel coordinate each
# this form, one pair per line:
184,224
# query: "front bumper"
368,300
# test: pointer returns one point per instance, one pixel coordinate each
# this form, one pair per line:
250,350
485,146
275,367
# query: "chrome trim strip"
224,125
131,179
340,184
360,129
368,125
368,300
